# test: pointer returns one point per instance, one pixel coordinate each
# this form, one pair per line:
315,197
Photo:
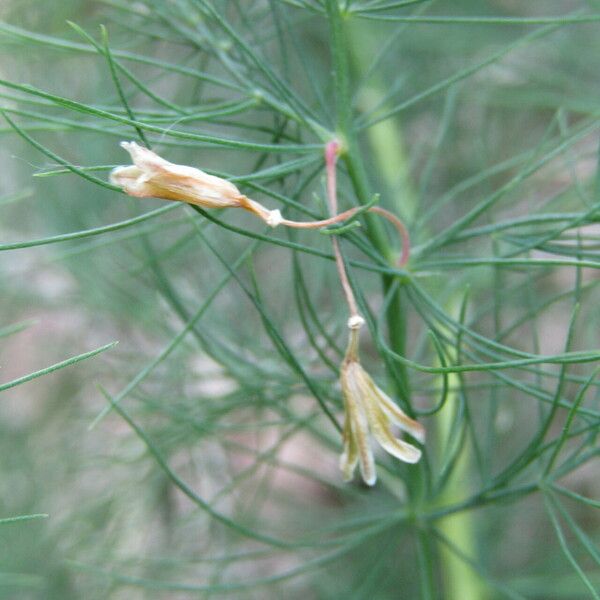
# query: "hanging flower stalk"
368,410
151,176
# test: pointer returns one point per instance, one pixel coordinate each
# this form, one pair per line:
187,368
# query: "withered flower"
369,411
151,176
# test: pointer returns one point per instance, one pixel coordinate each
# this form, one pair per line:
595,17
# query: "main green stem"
350,154
395,316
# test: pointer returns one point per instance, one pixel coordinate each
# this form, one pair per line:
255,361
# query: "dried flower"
151,176
368,410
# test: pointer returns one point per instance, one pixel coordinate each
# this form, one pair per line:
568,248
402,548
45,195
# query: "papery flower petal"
399,417
380,426
143,158
359,424
366,462
349,456
379,421
131,180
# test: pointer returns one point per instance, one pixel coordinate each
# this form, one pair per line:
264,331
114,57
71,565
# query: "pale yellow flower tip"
370,412
153,176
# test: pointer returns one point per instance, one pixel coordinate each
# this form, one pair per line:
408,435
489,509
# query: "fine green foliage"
199,456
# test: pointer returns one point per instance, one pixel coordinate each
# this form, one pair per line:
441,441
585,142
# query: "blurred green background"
485,102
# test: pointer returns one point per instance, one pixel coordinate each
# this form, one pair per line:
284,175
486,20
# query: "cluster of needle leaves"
203,459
